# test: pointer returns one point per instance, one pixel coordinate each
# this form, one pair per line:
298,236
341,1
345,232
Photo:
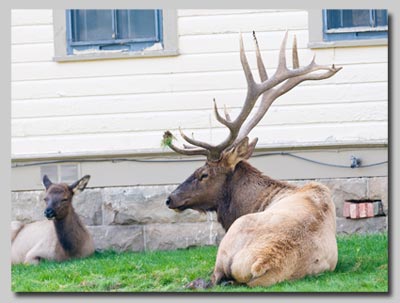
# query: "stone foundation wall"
136,218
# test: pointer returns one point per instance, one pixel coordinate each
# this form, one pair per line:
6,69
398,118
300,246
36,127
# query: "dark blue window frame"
335,28
115,42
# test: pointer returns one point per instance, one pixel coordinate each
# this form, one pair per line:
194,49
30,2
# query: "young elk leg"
16,226
38,252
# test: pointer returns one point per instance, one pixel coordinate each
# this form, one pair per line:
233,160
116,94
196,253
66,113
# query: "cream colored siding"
124,105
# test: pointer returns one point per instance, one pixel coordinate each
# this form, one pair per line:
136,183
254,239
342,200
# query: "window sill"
104,55
348,43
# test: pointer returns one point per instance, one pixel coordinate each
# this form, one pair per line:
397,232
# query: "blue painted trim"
350,35
115,44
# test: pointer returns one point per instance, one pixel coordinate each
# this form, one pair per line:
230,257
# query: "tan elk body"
294,237
275,231
63,236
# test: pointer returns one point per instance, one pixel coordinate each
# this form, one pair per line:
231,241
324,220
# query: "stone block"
143,205
179,235
88,204
119,238
27,206
361,226
217,232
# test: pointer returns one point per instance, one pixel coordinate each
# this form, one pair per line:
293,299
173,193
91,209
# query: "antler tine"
195,142
187,150
219,117
295,55
260,64
288,85
227,116
282,56
245,64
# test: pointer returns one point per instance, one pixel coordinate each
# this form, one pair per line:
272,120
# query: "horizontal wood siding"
124,105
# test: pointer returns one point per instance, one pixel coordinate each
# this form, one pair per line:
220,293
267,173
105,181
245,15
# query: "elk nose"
49,213
168,202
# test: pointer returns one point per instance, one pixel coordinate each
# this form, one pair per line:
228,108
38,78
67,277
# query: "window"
112,29
98,34
359,27
354,24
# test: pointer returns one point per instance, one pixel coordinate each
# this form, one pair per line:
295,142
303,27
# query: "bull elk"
61,237
275,231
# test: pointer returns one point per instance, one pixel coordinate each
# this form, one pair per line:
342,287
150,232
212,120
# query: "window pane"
137,24
354,18
337,18
92,25
334,18
68,173
51,171
381,17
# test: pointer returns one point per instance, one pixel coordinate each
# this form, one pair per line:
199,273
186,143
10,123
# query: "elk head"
58,197
207,185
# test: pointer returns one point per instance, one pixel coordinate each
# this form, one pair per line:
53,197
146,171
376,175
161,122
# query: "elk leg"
36,254
217,277
264,274
259,268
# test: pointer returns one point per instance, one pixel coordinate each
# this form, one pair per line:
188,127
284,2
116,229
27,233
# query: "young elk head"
209,183
59,196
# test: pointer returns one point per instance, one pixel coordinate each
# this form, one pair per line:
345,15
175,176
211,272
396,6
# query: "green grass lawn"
362,267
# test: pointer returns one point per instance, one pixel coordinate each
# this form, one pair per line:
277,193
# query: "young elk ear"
242,151
79,185
46,182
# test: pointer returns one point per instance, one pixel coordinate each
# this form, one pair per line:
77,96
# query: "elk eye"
203,176
64,200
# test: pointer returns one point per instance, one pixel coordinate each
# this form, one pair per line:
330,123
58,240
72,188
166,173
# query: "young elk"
275,231
61,237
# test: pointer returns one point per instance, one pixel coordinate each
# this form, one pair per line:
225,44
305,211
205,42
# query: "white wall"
124,105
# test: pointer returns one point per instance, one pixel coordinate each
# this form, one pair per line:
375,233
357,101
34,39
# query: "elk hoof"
198,284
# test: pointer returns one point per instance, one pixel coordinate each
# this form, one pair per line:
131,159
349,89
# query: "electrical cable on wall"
354,161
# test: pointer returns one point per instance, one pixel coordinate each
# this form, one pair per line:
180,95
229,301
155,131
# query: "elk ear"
242,151
46,182
79,185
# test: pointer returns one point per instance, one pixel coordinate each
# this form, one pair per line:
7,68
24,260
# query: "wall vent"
60,173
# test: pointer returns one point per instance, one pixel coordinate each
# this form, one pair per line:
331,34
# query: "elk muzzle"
168,202
49,213
173,203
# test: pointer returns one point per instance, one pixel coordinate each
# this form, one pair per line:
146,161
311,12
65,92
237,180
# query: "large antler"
283,80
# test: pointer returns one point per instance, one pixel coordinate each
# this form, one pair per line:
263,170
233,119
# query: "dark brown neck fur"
71,233
247,190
